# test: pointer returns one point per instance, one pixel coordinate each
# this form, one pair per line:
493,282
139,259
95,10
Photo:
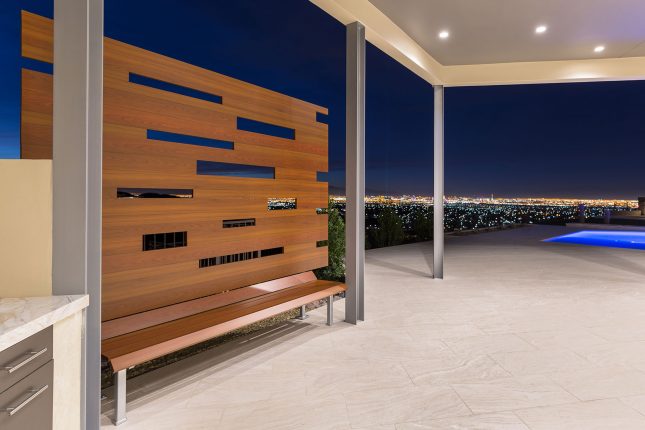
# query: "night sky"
573,140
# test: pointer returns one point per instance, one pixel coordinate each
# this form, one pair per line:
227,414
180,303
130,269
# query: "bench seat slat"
139,346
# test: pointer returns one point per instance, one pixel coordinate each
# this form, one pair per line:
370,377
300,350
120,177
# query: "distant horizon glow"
527,201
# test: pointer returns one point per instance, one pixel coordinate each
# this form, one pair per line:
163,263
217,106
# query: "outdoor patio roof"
494,42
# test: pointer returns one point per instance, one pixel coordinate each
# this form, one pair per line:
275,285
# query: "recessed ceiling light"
540,29
599,48
444,34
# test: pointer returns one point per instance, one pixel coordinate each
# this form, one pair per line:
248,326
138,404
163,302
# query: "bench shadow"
270,342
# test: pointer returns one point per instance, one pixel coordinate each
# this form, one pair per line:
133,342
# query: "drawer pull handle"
31,356
34,394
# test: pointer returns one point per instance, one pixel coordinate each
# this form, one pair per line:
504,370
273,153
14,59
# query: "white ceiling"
503,31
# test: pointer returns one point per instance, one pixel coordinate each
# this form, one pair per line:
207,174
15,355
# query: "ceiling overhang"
382,32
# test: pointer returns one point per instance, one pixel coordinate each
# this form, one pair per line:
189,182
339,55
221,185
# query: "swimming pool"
612,239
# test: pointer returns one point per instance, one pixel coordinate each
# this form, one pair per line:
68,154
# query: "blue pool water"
612,239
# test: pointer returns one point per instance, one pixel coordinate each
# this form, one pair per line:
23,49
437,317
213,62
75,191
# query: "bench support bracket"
119,397
303,313
330,310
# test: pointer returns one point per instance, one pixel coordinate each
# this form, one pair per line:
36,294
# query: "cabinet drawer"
28,404
25,357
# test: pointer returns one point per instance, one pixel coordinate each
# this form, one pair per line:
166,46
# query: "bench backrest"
141,320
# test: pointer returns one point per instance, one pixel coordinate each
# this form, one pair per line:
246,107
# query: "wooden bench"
138,338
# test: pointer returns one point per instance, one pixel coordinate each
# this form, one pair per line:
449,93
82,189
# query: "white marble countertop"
21,318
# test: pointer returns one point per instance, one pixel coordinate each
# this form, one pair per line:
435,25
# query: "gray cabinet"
26,384
25,357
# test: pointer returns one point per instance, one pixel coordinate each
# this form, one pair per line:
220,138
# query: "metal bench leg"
119,397
330,310
303,313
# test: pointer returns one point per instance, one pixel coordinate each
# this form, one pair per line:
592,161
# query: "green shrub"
422,225
335,271
389,230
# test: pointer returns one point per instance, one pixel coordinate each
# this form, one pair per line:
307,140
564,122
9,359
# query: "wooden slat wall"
136,281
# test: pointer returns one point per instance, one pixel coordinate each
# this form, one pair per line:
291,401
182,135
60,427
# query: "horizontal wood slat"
37,37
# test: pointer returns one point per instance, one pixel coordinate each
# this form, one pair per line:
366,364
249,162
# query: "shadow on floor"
403,269
271,342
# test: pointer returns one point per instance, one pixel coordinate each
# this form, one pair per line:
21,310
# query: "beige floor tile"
168,417
601,382
618,353
443,331
562,339
597,415
512,393
441,371
525,363
362,376
248,387
488,344
392,406
499,421
297,414
384,427
389,318
626,332
390,344
635,402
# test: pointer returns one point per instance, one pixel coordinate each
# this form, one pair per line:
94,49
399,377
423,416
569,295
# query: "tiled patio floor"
520,335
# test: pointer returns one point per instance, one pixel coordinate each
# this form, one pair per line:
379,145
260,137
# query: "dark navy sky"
575,140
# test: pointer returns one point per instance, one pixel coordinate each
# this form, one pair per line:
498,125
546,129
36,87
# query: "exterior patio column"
438,229
77,177
355,174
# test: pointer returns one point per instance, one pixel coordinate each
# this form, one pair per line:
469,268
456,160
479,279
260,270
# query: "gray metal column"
355,174
437,240
77,177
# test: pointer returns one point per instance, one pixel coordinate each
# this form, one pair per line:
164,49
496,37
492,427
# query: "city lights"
473,213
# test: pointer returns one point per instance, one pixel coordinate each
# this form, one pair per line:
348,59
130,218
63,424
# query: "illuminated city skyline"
520,201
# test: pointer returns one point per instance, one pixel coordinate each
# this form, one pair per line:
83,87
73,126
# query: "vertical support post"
355,174
120,392
330,310
303,313
438,229
77,177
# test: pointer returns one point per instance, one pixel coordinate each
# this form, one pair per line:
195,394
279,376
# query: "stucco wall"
25,228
